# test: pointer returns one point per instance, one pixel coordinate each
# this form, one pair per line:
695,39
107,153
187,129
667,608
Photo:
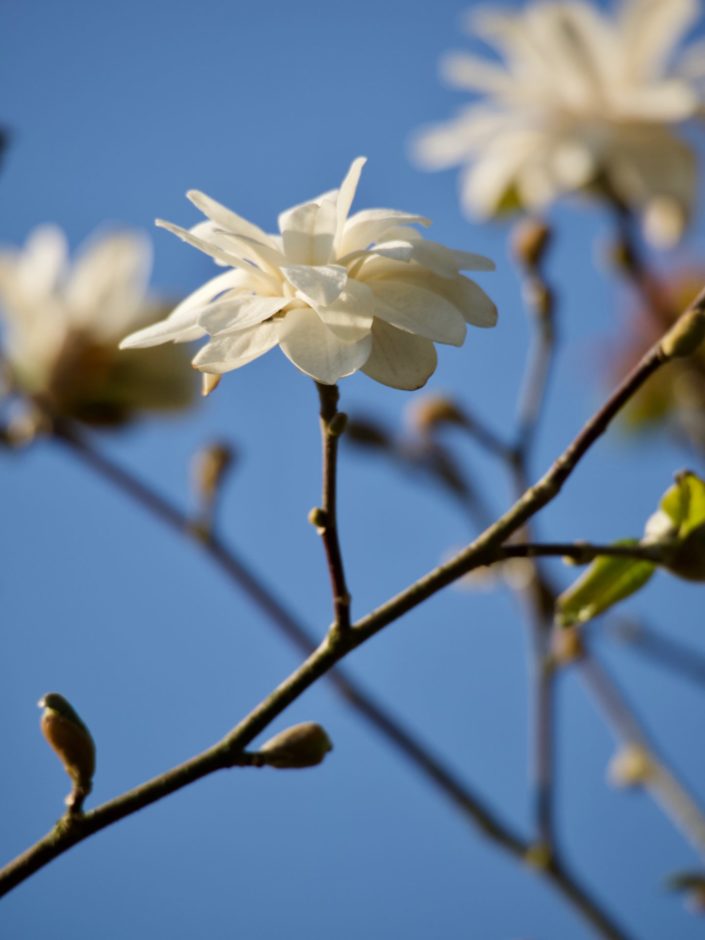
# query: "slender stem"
632,262
339,643
74,830
326,519
541,303
263,598
484,547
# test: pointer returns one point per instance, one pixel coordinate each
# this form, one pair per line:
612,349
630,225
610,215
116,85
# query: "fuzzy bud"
531,239
304,745
210,467
337,424
431,411
72,741
318,519
630,766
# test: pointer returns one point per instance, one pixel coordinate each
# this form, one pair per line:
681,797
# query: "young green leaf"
606,582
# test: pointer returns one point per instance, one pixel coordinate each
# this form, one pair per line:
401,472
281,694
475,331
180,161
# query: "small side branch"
326,518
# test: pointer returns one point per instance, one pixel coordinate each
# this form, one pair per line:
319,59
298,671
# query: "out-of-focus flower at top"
337,293
581,101
62,323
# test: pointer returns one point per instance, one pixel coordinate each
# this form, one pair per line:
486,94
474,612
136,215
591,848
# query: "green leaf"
684,503
606,582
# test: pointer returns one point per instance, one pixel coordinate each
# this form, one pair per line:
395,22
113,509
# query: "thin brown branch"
326,518
380,719
341,642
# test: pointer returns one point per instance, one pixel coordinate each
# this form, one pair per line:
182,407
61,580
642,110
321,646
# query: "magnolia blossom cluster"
336,292
62,323
577,100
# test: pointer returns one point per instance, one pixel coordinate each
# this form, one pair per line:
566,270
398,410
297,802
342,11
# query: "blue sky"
116,110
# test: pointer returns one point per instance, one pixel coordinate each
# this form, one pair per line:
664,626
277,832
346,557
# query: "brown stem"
332,426
341,642
380,719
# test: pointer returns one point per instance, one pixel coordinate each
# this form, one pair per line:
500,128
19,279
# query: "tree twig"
326,518
340,643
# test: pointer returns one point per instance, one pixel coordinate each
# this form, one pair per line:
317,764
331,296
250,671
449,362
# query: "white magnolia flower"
338,294
62,322
579,97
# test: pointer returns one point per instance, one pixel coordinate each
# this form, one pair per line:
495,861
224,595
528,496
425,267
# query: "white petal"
226,218
409,245
317,351
225,353
465,295
418,310
486,182
350,315
41,265
473,74
346,194
652,29
308,232
471,300
209,247
444,145
110,276
239,312
317,285
370,225
182,323
399,359
172,330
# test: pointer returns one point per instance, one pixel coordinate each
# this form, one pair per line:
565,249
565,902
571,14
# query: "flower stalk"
332,426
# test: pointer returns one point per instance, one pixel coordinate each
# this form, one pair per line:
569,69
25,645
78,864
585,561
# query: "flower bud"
303,745
210,466
337,424
432,411
72,741
567,645
531,239
318,519
630,766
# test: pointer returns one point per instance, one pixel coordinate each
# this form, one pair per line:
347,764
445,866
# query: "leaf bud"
210,466
304,745
630,766
431,411
337,424
318,519
531,238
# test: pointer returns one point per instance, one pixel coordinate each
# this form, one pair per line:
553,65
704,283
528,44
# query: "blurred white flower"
579,97
62,323
338,294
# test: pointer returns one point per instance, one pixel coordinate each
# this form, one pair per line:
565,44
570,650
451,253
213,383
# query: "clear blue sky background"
116,110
